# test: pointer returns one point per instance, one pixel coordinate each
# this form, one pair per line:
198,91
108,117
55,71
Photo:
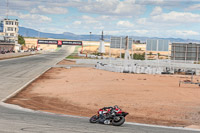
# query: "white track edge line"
16,107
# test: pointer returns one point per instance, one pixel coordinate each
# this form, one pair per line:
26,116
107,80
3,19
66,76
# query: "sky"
149,18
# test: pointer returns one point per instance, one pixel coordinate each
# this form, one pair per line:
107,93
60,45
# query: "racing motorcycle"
109,115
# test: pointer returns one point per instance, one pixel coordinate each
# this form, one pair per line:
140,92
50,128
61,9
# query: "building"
9,29
9,35
185,51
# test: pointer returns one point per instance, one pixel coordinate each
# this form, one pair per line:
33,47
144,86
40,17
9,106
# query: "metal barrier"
141,66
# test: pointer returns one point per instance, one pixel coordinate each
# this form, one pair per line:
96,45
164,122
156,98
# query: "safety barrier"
139,66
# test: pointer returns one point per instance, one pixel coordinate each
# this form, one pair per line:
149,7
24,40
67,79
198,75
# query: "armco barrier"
138,66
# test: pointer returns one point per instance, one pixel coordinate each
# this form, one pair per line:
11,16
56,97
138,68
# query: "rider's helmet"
116,107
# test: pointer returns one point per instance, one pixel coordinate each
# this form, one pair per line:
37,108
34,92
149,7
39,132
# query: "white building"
9,28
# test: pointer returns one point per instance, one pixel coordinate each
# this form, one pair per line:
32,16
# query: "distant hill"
27,32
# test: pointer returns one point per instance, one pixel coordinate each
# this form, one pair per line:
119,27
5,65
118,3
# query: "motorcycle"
109,115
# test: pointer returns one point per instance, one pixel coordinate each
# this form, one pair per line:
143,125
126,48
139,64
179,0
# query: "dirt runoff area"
150,99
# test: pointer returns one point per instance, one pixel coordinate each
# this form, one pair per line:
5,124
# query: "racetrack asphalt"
15,73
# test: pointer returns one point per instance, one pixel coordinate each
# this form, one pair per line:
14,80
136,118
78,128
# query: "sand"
150,99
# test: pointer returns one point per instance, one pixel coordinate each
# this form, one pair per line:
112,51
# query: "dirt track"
152,99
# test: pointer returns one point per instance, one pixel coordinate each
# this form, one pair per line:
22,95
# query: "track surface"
17,72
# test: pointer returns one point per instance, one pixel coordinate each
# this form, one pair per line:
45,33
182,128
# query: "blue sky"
151,18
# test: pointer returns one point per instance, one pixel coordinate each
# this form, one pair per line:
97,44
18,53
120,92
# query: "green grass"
58,49
74,55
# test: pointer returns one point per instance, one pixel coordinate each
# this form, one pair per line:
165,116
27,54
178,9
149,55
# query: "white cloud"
49,10
141,31
142,21
156,11
187,33
113,7
31,17
193,7
77,22
176,17
164,3
112,32
126,24
89,20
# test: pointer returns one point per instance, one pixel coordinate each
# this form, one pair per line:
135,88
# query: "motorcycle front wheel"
94,119
118,121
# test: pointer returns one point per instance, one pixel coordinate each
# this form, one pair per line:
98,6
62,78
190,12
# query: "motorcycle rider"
104,110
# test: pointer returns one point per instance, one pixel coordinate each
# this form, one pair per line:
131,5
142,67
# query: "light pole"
90,35
38,38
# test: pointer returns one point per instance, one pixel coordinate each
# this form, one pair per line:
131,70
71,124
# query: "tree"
158,55
21,40
150,54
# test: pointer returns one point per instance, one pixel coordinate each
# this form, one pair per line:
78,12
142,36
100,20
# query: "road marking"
16,107
158,126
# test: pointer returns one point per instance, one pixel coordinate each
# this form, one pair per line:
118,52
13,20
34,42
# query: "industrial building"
185,51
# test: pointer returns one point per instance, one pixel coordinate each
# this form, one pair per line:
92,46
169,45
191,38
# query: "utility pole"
102,36
90,35
7,9
38,38
38,33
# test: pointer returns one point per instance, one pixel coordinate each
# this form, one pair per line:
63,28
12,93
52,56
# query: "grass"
74,55
58,49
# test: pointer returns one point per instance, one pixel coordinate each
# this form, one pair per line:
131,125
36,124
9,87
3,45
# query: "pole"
121,48
110,53
157,56
38,37
7,10
169,60
174,55
82,49
132,51
37,45
197,54
90,35
186,48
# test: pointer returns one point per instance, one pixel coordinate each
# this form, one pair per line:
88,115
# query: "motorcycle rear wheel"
94,119
118,122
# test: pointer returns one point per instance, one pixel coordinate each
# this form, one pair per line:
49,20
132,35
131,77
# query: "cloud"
141,31
156,11
31,17
112,32
141,21
165,3
193,7
126,24
77,22
187,33
176,17
89,20
49,10
112,7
